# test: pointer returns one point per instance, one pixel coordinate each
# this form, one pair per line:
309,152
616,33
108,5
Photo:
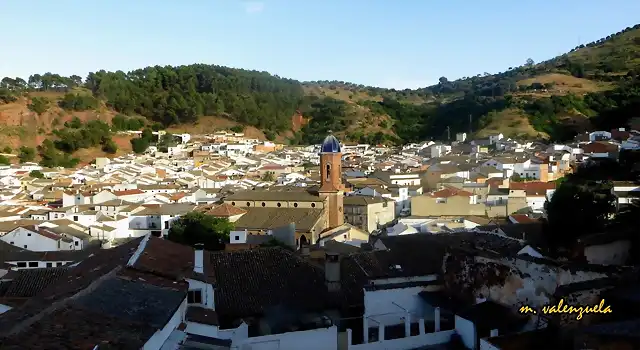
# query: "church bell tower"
331,186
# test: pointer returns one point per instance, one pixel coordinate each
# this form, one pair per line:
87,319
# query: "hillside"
592,86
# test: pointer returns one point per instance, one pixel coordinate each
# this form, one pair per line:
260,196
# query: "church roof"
330,145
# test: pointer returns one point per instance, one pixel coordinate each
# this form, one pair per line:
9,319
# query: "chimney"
198,258
332,271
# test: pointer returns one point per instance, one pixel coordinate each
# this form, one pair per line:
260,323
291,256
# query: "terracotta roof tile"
250,282
450,192
29,282
202,315
225,210
127,192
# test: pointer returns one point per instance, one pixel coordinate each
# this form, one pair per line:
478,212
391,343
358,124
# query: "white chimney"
332,271
198,258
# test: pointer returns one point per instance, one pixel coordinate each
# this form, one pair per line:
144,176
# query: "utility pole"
470,124
448,133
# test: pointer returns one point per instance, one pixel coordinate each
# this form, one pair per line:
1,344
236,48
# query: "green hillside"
592,86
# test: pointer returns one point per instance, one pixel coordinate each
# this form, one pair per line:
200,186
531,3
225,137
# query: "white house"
39,239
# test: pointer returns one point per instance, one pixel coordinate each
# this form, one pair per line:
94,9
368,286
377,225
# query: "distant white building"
461,136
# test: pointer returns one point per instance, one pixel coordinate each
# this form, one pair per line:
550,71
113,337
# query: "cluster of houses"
427,246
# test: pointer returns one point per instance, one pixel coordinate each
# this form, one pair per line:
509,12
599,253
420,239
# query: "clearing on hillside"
340,94
563,84
211,124
511,122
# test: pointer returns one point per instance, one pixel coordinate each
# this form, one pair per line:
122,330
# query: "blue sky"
400,44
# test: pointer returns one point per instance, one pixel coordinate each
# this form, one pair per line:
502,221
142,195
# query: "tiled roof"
270,218
167,259
75,280
202,315
103,301
67,329
362,200
225,210
299,196
27,283
250,282
532,187
450,192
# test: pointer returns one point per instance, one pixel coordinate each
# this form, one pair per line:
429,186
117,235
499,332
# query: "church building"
317,212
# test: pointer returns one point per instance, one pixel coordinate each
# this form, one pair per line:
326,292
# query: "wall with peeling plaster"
614,253
508,281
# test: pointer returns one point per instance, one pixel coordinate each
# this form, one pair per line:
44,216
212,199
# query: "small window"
279,205
33,264
10,242
264,204
76,243
59,264
194,297
237,238
295,205
248,204
233,203
22,264
25,246
28,234
313,205
75,218
49,264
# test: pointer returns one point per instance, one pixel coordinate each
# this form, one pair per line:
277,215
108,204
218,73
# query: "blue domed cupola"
330,145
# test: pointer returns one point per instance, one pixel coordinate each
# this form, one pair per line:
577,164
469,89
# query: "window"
295,205
166,225
49,264
264,204
10,242
279,205
313,205
328,172
22,264
33,264
59,264
233,203
75,218
25,246
76,243
237,238
194,297
28,234
248,204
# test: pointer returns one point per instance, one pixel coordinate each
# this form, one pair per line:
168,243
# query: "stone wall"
510,281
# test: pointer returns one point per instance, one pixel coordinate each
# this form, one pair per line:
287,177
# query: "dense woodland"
167,96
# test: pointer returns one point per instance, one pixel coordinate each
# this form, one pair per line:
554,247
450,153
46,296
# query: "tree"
38,105
4,160
529,62
196,227
7,150
578,208
109,146
36,174
26,154
268,176
139,145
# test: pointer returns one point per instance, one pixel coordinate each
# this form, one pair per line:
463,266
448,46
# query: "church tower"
331,180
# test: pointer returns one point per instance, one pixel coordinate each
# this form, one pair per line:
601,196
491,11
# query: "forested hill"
592,86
